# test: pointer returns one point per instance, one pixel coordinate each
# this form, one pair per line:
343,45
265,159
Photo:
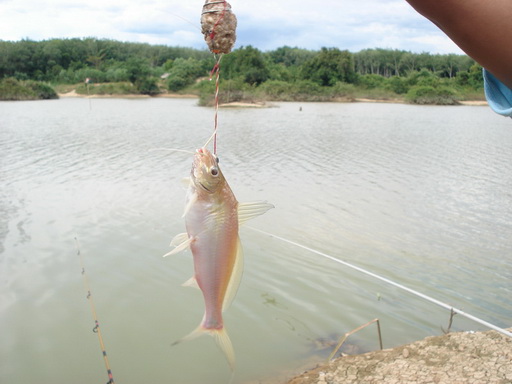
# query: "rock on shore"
455,358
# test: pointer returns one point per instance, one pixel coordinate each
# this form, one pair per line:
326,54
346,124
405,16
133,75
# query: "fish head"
206,174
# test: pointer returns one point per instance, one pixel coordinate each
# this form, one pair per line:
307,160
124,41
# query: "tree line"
283,73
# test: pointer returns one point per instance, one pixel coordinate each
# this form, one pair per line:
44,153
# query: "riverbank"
73,93
398,101
461,358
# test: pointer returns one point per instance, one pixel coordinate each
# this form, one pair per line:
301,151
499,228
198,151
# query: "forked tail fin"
221,338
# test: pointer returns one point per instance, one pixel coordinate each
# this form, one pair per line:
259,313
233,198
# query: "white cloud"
266,24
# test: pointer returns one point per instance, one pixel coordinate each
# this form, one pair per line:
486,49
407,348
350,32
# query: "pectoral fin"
192,283
190,202
181,242
247,211
179,239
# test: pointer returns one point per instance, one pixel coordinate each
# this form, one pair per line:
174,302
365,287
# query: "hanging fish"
212,217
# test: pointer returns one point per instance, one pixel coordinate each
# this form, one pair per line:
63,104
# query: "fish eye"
214,171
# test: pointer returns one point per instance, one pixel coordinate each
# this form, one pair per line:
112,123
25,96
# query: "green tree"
368,61
290,57
247,62
184,72
330,66
423,78
473,77
137,68
139,74
397,84
371,81
408,62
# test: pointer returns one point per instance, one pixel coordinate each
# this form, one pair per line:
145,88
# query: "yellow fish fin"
192,282
224,342
221,339
247,211
181,242
236,277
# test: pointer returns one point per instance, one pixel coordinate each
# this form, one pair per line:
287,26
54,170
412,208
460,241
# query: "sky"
265,24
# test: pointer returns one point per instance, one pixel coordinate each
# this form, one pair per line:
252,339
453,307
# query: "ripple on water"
420,195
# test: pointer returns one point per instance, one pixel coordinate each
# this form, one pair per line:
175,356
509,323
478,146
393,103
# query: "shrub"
147,86
122,88
345,90
276,89
12,89
42,91
399,85
431,95
371,81
423,78
176,83
307,87
183,73
116,75
95,75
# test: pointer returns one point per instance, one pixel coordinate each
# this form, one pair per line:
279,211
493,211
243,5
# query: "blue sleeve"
498,95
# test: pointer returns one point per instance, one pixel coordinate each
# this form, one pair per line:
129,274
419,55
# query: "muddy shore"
455,358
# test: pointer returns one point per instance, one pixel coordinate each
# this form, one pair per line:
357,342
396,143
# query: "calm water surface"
420,195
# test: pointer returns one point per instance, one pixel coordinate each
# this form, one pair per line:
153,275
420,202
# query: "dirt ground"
455,358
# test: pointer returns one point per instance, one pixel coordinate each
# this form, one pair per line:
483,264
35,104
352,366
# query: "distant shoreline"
242,104
465,102
127,96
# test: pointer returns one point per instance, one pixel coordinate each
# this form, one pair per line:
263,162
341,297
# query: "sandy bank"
166,95
455,358
128,96
251,104
243,105
474,102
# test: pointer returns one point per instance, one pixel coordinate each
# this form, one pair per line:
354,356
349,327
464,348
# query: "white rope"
412,291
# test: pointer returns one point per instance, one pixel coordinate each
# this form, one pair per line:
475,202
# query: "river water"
420,195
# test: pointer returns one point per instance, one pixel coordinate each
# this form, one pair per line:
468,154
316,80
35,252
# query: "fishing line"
400,286
185,20
218,25
216,70
96,328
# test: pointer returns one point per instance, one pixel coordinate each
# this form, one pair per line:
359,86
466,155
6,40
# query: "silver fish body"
212,218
